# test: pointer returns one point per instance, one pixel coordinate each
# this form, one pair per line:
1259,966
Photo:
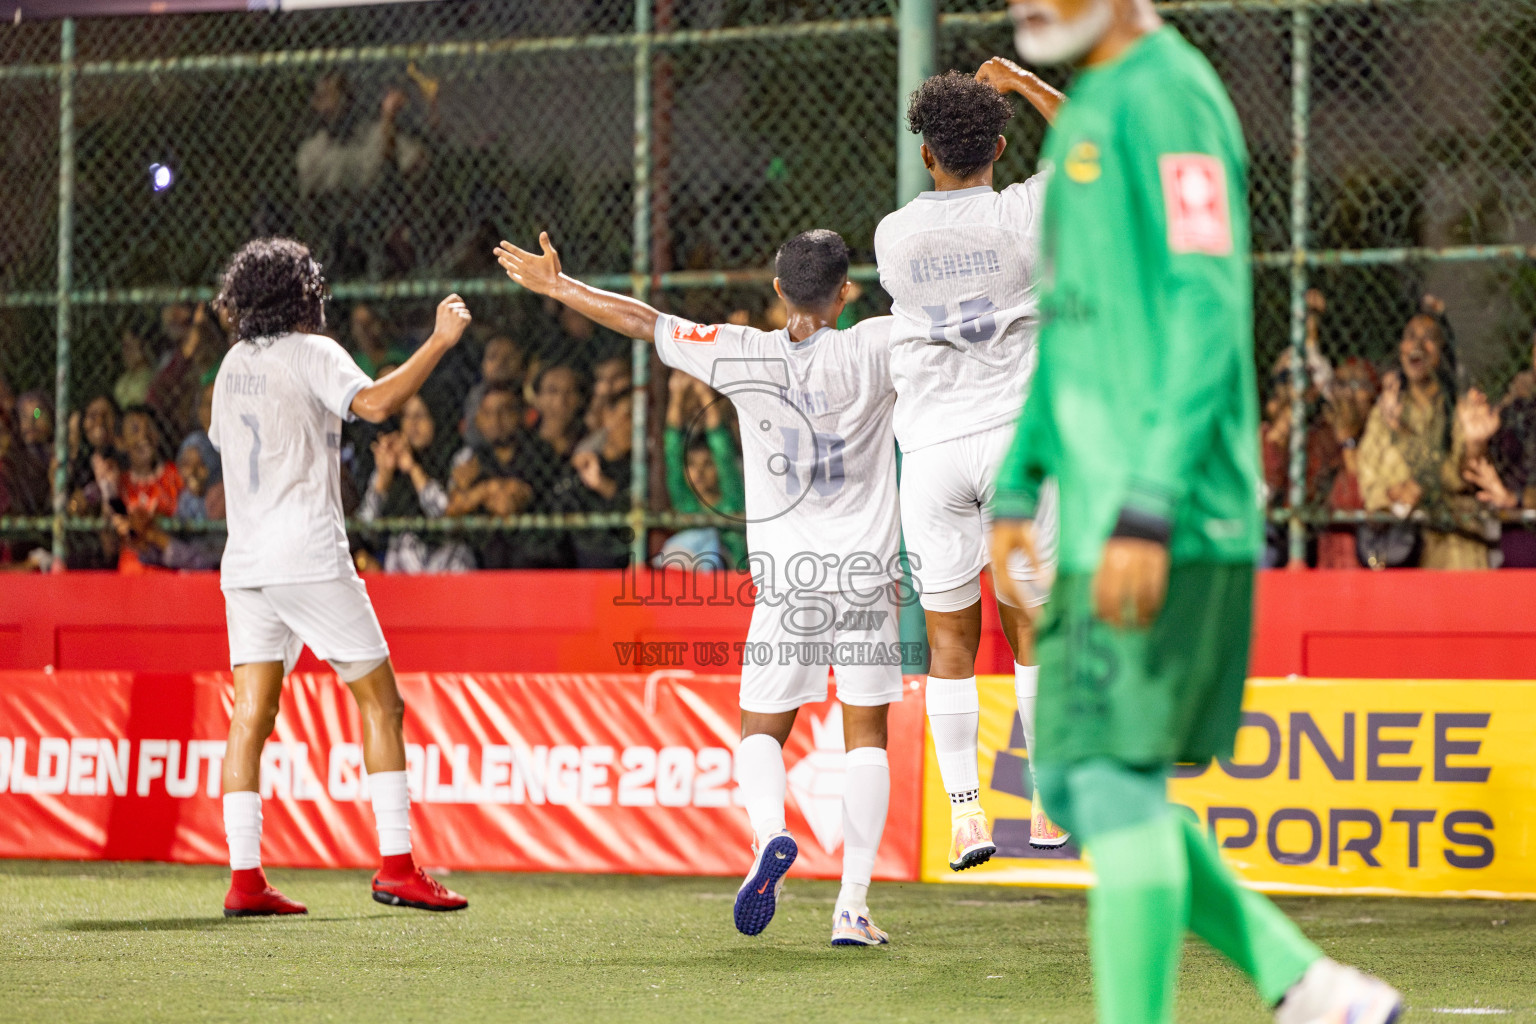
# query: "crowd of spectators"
527,419
536,419
1440,466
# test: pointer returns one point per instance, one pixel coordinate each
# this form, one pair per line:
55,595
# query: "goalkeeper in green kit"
1144,410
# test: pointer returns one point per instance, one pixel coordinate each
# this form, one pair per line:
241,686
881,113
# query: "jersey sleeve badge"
696,334
1082,163
1195,194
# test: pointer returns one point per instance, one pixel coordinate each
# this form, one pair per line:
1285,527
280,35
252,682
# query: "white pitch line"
1470,1011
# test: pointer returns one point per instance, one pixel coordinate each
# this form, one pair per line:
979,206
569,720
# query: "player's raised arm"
386,396
1005,76
541,274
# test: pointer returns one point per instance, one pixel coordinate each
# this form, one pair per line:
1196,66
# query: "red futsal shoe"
250,896
400,883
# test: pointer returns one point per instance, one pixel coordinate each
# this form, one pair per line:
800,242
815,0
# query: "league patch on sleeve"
696,334
1195,193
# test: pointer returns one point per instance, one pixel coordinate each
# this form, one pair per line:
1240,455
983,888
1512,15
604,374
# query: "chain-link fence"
668,146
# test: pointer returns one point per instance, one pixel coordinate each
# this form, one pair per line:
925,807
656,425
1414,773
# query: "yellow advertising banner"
1368,787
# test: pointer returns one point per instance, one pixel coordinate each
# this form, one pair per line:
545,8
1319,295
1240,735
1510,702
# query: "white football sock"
954,716
1026,684
760,774
391,811
866,798
242,829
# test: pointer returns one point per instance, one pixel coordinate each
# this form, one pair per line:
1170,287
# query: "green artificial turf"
131,942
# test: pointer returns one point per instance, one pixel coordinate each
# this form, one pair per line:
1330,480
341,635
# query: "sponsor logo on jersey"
696,334
1082,163
1195,193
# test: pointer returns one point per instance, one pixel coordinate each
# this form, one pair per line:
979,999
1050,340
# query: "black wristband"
1140,525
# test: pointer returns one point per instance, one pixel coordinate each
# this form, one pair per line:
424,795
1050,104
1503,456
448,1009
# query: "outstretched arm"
541,274
1005,76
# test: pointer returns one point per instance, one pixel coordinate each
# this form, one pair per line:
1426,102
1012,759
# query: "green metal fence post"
65,283
640,270
917,27
1301,71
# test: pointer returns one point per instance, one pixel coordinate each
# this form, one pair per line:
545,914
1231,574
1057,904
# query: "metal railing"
1266,50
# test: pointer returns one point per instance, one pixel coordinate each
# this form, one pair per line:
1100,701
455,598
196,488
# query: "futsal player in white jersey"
278,404
815,405
960,264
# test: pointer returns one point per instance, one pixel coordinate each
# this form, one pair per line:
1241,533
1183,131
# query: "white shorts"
795,638
945,491
334,619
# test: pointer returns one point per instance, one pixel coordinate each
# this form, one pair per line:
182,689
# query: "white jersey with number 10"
960,268
815,419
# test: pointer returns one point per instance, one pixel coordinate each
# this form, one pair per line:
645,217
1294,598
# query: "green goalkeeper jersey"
1144,406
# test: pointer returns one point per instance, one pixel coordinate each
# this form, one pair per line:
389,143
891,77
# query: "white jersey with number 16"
278,405
960,268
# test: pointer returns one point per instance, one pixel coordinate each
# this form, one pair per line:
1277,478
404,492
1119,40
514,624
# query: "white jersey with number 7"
278,406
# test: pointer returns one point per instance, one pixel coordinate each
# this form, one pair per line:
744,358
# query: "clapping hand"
386,457
1490,486
506,497
105,471
1523,386
681,402
1344,416
709,401
590,469
1391,401
405,458
1479,421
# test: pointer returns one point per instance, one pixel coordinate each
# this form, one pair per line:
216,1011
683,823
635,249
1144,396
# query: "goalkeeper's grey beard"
1060,42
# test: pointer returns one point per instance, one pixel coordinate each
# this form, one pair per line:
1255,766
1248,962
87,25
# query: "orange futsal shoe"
250,896
400,883
1045,834
971,843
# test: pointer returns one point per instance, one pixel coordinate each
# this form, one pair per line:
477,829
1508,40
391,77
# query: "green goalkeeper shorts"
1171,693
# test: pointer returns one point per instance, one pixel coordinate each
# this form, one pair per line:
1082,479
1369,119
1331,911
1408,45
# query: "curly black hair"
273,286
960,119
811,267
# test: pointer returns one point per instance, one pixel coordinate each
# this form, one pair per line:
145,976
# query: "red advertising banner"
510,772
